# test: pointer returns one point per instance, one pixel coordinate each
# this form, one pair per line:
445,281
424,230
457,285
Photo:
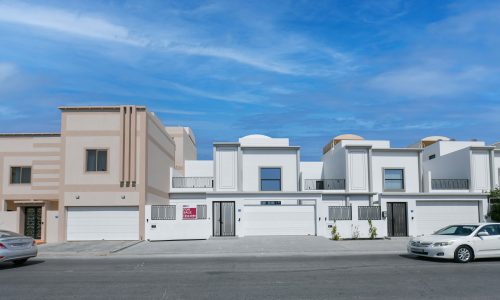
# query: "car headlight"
441,244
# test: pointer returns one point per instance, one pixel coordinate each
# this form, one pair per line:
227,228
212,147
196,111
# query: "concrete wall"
454,165
226,168
357,170
334,166
254,159
185,145
9,221
199,168
480,170
408,161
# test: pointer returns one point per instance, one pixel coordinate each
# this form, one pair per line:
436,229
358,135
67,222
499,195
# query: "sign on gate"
189,213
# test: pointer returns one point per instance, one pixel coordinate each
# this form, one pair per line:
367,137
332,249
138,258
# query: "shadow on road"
10,265
445,261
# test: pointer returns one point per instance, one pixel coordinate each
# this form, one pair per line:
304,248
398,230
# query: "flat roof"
98,108
398,149
27,134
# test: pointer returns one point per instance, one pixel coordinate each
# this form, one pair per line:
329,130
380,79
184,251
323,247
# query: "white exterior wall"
357,170
226,168
480,171
334,166
254,159
496,168
310,170
454,165
199,168
396,160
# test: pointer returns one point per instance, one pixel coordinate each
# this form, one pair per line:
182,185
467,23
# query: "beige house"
92,180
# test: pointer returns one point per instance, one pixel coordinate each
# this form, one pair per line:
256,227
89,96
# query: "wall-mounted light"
123,196
77,197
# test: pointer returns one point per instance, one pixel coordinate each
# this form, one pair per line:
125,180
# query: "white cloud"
429,81
7,70
178,112
65,21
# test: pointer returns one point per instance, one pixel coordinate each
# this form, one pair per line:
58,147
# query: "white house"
259,186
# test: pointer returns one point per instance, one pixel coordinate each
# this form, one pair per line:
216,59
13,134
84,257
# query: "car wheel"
464,254
19,262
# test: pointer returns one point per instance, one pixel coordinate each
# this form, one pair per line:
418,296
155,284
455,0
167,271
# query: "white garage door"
102,223
279,220
433,215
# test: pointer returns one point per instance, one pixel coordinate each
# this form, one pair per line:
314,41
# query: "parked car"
16,248
463,243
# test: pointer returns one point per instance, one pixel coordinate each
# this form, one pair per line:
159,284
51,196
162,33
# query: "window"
270,202
336,213
432,156
270,179
491,229
369,213
97,160
163,212
201,212
394,180
20,175
461,230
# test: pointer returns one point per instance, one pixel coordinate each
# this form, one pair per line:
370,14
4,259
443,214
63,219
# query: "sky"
304,70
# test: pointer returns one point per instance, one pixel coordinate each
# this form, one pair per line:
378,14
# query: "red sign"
189,213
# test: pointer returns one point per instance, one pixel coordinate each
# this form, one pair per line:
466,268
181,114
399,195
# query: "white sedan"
463,243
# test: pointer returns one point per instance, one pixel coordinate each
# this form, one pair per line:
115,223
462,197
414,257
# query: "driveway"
266,246
87,248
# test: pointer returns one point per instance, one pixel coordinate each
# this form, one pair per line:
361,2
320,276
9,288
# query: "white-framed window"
394,180
97,160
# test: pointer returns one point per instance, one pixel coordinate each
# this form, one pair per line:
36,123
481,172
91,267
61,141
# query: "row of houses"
117,173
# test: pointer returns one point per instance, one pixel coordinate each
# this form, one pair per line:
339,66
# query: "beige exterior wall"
161,151
185,145
42,153
140,155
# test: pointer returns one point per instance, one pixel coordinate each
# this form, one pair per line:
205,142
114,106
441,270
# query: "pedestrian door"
33,222
397,221
223,218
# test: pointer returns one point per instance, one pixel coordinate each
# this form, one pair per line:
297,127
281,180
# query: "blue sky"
307,70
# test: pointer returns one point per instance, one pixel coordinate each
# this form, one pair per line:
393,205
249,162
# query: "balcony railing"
324,184
450,184
193,182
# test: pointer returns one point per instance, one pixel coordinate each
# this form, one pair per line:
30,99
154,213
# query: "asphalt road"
340,277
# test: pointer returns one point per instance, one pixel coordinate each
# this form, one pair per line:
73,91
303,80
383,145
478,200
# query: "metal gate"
397,221
33,222
223,218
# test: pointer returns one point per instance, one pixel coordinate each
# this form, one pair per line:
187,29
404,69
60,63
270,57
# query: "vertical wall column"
128,140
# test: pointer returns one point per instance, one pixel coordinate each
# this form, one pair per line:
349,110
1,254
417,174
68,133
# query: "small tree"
335,233
372,230
495,207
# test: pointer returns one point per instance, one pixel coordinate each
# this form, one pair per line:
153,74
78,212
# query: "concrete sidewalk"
87,248
266,246
261,246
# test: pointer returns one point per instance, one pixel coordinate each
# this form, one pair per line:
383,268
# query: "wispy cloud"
429,81
7,70
67,22
238,98
178,112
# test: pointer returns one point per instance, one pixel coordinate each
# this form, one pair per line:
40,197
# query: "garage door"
102,223
433,215
279,220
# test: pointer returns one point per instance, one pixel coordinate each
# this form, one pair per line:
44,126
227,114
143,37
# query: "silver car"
16,248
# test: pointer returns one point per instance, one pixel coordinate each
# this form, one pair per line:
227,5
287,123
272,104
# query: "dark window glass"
432,156
393,179
20,175
26,175
15,175
91,160
97,160
270,179
102,160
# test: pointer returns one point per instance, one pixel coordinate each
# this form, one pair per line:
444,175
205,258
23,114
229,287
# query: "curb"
125,247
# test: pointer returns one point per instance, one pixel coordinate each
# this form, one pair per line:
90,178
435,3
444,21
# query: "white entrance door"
102,223
279,220
434,215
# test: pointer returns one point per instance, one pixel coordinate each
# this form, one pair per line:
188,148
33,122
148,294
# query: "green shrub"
372,230
335,233
495,212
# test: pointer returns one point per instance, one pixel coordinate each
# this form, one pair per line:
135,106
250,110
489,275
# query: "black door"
397,221
223,218
33,222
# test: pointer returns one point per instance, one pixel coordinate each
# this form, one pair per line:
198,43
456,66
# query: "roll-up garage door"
433,215
279,220
102,223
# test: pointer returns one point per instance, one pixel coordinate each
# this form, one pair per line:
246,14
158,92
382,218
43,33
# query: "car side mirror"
483,233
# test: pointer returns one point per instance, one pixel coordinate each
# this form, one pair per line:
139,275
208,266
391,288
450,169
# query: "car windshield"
6,234
462,230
